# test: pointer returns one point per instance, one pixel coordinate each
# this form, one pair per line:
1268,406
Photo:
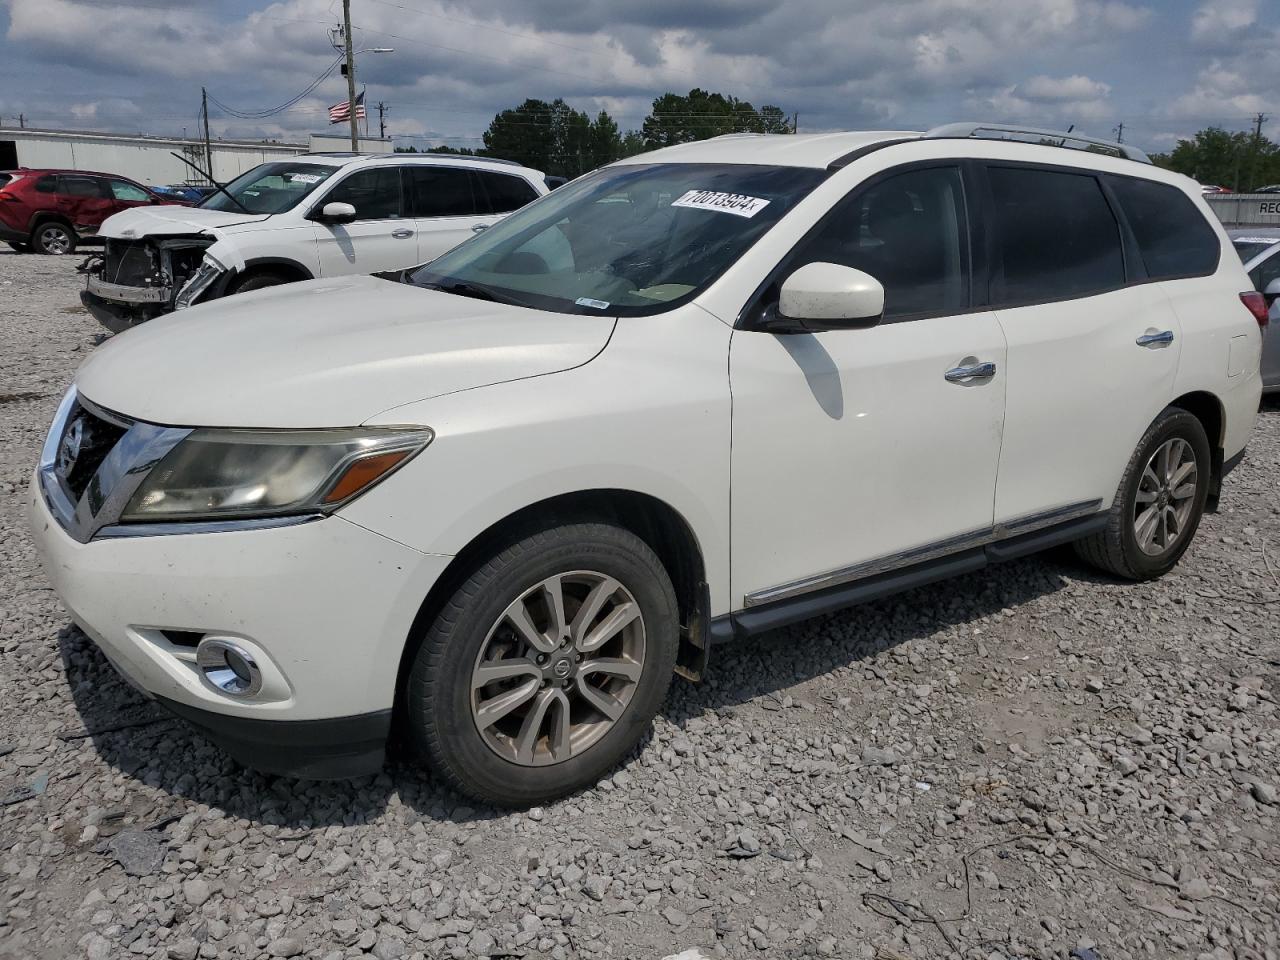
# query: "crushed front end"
132,281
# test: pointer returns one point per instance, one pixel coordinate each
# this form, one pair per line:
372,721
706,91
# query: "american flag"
341,112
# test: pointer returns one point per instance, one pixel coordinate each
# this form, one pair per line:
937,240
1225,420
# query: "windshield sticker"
735,203
593,304
305,177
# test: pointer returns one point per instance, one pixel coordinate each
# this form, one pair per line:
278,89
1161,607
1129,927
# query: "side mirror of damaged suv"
335,213
826,296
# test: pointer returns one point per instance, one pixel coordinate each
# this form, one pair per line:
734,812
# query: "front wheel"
259,281
546,666
1159,503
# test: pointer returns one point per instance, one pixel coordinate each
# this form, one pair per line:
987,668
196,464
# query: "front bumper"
326,605
119,317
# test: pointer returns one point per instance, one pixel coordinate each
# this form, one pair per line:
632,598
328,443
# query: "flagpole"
363,98
351,75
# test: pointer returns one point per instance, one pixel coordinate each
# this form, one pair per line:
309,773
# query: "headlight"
216,473
200,281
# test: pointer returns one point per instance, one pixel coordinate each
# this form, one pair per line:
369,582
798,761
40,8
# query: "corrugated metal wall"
144,160
1246,209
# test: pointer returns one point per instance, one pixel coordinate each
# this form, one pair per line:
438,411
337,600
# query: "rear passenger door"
1092,350
84,201
382,236
449,206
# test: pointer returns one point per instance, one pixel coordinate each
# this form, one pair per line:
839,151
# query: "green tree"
701,114
1238,161
552,137
604,140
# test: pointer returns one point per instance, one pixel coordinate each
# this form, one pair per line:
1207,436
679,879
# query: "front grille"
132,264
85,442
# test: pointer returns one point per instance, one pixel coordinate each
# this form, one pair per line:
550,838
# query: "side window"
446,192
79,186
910,233
128,191
1265,272
1055,234
506,192
374,192
1174,238
47,184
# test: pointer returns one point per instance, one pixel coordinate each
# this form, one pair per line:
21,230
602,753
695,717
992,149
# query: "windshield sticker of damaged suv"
319,215
498,504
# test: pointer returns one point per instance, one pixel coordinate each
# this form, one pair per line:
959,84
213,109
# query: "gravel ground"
1030,762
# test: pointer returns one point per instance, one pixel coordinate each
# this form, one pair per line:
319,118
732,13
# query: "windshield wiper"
209,176
476,292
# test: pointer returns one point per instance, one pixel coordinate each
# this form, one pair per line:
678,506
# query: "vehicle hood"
167,220
327,353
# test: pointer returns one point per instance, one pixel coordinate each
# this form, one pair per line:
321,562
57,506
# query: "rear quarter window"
1173,236
506,192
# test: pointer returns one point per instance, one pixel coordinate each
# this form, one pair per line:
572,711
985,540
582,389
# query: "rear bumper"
329,749
9,235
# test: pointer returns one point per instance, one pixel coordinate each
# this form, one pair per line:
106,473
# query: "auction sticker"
736,203
305,177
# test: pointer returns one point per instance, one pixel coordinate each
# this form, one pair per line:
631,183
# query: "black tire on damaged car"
259,280
54,238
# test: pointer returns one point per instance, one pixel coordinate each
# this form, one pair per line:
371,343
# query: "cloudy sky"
1164,68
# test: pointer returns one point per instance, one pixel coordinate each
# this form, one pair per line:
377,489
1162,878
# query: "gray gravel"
1030,762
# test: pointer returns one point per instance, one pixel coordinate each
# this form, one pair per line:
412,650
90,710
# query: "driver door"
858,451
381,237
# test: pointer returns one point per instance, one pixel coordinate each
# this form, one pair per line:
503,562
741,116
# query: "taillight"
1256,304
6,195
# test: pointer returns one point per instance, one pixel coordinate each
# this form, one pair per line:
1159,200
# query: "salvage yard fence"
1246,209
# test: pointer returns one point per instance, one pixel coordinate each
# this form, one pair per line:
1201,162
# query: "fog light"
228,668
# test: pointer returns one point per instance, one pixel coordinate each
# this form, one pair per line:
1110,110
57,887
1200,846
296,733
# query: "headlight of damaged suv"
230,474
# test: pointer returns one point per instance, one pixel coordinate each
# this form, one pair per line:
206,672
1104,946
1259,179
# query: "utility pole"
1258,121
351,74
22,121
382,122
208,147
795,122
1120,133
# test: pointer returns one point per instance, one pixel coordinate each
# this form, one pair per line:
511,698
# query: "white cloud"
84,111
1219,20
1075,88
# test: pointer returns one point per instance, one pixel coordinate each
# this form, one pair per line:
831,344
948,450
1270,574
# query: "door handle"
479,227
971,372
1163,338
402,234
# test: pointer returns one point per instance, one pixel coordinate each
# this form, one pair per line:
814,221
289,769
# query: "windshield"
270,188
1248,247
624,241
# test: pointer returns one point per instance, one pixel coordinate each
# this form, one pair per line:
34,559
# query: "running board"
762,617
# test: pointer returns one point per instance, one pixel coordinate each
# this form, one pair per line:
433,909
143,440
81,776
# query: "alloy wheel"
1166,497
558,668
55,240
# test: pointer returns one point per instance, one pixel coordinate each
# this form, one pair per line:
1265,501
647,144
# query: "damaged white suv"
317,215
696,395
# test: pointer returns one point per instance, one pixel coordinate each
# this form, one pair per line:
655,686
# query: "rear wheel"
546,666
257,281
1159,503
54,239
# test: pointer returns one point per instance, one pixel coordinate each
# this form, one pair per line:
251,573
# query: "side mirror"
827,296
336,213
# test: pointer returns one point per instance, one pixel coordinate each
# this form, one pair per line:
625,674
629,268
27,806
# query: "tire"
54,238
20,247
496,762
258,281
1132,546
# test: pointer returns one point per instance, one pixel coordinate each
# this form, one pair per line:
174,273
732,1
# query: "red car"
50,211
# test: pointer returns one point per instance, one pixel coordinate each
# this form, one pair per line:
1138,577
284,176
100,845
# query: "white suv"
317,215
692,396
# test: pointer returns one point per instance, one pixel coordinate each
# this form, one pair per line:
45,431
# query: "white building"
151,160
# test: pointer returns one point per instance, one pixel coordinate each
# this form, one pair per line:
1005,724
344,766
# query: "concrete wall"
146,160
1246,209
340,142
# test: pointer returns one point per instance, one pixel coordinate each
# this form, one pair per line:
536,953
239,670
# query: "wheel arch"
41,217
654,521
283,266
1208,409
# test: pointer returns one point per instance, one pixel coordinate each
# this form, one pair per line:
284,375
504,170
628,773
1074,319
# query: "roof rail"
1048,138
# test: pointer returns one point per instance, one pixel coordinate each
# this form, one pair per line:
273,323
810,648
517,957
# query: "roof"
818,150
426,159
